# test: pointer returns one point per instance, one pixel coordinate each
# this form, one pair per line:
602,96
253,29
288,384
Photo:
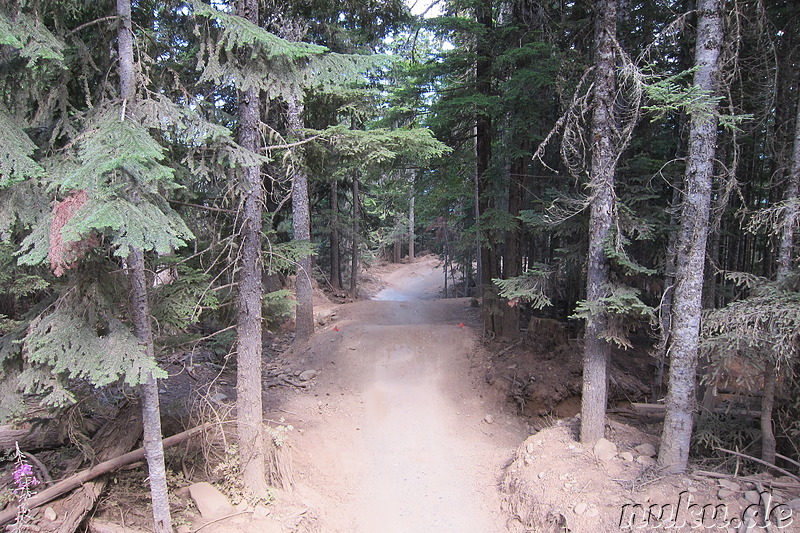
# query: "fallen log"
761,462
31,438
657,409
118,436
76,480
44,434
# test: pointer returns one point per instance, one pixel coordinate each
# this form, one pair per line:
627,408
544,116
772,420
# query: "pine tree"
249,324
676,437
597,351
238,52
301,219
140,306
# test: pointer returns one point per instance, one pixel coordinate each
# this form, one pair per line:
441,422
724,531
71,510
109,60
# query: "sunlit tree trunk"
151,411
249,326
140,306
301,218
684,341
596,351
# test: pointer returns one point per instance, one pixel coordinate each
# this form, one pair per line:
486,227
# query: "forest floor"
398,417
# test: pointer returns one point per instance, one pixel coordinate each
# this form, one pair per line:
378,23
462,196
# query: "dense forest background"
175,173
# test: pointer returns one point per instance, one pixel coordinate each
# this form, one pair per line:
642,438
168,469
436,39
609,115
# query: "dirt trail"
395,437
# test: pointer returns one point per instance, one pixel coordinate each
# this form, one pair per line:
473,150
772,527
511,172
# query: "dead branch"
746,479
116,437
40,466
759,461
76,480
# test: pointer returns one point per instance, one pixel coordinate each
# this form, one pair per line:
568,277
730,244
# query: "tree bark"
512,256
596,350
140,307
478,240
483,156
397,250
148,392
336,261
785,253
301,219
790,217
249,407
411,235
32,437
665,308
354,250
677,433
768,444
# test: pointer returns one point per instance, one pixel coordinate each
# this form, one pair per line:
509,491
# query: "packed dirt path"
399,433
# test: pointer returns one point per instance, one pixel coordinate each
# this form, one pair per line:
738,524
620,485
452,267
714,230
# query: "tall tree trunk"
356,229
151,412
786,246
397,251
140,306
336,260
478,240
676,436
411,235
665,308
785,252
596,351
483,158
301,218
249,327
768,444
512,256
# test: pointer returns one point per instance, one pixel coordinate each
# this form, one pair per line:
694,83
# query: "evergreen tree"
301,219
676,437
249,410
604,157
140,306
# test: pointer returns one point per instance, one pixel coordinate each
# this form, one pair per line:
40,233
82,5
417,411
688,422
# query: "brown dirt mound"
555,484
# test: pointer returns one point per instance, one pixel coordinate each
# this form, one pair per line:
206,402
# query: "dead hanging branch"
579,100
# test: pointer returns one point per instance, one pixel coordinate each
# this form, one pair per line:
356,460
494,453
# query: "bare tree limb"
759,461
76,480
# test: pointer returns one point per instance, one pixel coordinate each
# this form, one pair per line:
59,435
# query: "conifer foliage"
593,162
